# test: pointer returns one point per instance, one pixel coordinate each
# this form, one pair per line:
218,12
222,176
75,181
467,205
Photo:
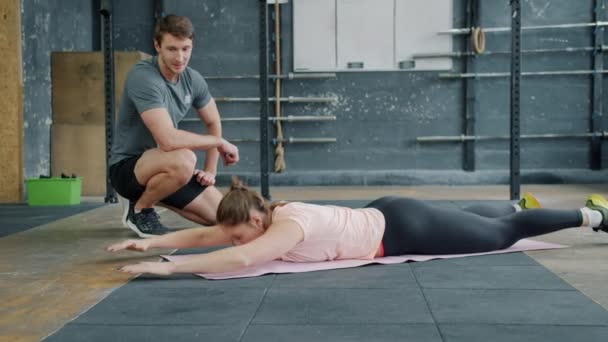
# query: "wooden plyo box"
78,143
78,85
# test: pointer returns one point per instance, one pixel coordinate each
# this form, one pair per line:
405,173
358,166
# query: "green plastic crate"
53,191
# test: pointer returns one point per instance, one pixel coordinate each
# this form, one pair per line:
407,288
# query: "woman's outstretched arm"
186,238
274,243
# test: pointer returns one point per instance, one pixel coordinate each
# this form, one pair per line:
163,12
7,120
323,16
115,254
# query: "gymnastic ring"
478,40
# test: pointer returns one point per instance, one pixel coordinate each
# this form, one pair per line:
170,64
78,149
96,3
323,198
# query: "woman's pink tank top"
332,232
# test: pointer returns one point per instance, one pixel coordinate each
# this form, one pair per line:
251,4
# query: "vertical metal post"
108,68
595,157
468,66
515,181
159,9
96,25
264,139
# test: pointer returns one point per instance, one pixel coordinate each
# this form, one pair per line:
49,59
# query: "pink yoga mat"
293,267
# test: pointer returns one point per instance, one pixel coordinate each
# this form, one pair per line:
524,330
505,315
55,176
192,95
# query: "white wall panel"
330,34
314,34
417,24
365,33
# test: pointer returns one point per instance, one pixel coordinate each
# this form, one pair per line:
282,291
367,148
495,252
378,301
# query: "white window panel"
314,35
365,33
417,24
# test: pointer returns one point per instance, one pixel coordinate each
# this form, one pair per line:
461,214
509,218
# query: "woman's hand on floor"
132,245
158,268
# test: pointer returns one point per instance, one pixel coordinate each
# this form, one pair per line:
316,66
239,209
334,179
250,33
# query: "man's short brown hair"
175,25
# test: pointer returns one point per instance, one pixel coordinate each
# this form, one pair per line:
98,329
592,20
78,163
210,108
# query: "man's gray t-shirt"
145,88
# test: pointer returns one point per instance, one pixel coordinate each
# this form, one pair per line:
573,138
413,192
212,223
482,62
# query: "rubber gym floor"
58,284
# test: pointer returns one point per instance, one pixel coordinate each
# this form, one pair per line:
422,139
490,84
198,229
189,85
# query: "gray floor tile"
145,333
179,281
371,276
489,277
514,307
342,306
505,259
131,305
342,333
528,333
184,251
15,218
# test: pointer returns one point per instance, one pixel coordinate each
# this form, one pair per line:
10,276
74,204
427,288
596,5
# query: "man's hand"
229,153
132,245
159,268
204,178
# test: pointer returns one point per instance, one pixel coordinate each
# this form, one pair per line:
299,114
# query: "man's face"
174,52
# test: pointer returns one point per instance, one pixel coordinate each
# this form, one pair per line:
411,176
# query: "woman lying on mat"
388,226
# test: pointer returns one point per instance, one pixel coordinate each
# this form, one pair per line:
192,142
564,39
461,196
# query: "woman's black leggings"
416,227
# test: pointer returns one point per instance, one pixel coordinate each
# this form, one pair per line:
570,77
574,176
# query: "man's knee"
182,166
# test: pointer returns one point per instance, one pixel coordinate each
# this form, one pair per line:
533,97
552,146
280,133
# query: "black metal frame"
159,10
264,77
108,67
472,9
468,65
515,181
96,25
595,157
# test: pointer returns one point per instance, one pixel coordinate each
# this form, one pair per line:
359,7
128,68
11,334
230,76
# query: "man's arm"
170,138
210,116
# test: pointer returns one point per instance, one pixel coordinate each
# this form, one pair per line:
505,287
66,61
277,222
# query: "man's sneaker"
528,201
146,223
599,203
127,207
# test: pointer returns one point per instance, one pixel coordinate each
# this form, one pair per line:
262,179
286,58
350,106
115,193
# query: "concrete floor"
52,273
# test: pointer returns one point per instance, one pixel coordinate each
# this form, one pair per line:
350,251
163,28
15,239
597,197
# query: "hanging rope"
279,151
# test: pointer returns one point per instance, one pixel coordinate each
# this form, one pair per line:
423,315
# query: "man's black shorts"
122,176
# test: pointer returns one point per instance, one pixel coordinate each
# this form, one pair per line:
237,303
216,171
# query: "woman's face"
244,232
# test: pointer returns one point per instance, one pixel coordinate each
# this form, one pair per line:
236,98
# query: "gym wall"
380,115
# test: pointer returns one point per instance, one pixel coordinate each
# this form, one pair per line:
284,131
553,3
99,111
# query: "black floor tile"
443,275
504,259
514,307
342,333
185,251
180,281
15,218
528,333
371,276
146,333
342,306
151,306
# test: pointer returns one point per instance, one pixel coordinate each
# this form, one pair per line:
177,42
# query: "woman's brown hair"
236,203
